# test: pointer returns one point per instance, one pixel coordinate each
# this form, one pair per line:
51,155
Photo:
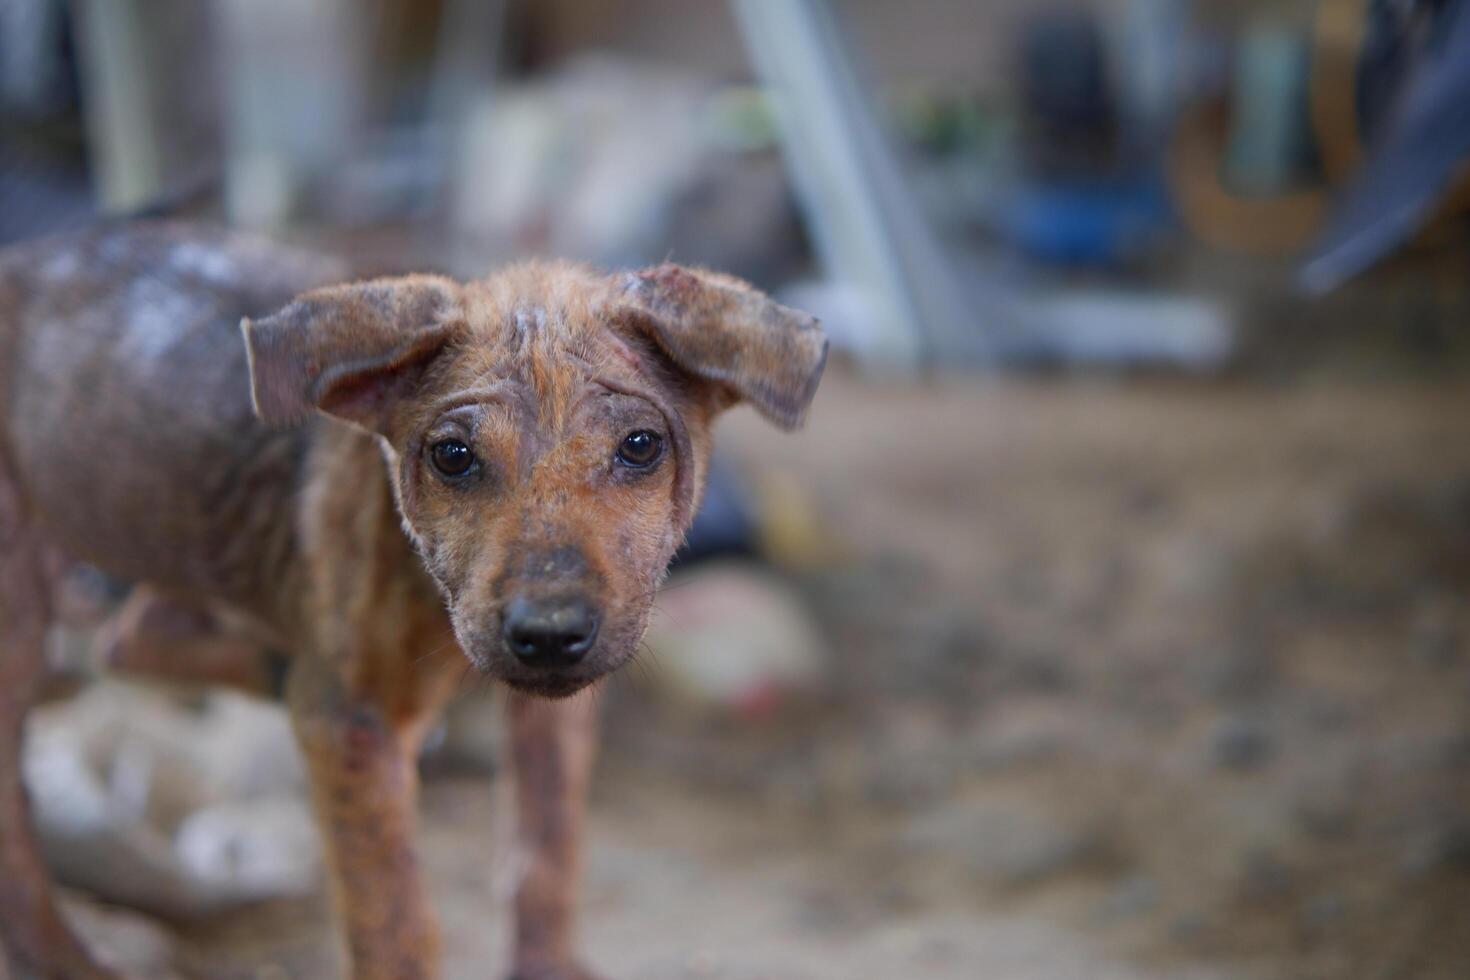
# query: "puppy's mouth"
545,682
551,686
552,677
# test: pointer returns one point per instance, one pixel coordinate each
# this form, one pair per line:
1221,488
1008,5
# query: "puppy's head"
548,432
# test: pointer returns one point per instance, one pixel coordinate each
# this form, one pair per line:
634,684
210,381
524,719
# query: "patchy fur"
129,439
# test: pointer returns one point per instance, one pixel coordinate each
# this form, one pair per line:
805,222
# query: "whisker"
683,582
653,655
590,695
640,661
665,587
432,653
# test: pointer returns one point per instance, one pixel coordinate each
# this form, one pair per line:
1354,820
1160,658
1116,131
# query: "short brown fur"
129,438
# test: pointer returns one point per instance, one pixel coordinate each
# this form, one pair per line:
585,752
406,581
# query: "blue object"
1087,223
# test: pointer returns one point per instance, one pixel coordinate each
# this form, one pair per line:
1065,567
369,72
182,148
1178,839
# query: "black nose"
549,632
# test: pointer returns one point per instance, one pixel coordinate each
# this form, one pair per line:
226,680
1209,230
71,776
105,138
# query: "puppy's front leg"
362,761
553,747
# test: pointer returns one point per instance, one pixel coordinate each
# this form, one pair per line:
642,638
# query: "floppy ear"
351,350
724,331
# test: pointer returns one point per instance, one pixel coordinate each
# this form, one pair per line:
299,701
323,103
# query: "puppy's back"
124,395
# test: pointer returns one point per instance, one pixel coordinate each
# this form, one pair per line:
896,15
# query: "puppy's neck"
352,550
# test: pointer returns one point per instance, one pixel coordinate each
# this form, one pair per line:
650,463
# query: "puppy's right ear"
350,351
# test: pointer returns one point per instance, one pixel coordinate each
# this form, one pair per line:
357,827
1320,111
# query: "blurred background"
1107,620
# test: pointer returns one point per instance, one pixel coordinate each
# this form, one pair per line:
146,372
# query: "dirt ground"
1130,680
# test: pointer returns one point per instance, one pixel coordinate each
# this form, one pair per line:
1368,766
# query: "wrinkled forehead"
545,332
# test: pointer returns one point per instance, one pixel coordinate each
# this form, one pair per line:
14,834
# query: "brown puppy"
507,464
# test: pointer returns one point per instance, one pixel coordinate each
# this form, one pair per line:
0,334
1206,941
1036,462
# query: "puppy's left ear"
724,331
351,351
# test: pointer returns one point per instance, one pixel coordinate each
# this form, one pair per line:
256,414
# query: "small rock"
1324,801
1454,751
1039,671
1263,875
1240,744
1024,733
1145,499
1132,896
1328,713
1233,673
1442,848
907,783
1434,639
1325,818
1188,927
1005,844
1324,911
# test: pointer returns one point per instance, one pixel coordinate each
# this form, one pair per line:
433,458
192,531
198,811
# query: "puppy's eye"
640,449
451,457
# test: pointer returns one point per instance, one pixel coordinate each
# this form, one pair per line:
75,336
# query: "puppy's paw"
541,970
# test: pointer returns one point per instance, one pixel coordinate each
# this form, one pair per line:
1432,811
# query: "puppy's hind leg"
36,939
154,636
